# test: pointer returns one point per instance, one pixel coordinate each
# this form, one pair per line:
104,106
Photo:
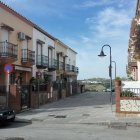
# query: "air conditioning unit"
21,36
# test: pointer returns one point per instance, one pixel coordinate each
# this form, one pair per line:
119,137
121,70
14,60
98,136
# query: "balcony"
76,69
8,52
61,66
71,70
41,61
52,64
132,64
28,57
67,68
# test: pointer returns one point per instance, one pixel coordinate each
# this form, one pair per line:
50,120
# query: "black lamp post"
115,68
110,69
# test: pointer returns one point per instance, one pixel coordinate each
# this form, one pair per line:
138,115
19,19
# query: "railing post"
118,94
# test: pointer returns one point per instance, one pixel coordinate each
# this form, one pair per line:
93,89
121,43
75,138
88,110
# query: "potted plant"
117,81
33,81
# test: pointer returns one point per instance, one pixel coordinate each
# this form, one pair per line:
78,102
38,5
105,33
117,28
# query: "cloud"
106,22
102,3
108,26
93,3
109,22
35,7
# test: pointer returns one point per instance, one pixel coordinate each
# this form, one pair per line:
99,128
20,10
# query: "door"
39,53
4,36
25,96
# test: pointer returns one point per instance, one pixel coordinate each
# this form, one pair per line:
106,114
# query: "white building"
44,47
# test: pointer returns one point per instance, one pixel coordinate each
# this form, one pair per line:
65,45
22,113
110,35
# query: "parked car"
108,90
6,114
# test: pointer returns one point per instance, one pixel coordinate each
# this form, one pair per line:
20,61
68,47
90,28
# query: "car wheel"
12,119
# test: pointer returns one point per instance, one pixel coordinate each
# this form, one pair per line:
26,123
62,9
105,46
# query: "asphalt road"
70,119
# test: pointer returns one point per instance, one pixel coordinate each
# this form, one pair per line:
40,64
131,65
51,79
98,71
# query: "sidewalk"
79,109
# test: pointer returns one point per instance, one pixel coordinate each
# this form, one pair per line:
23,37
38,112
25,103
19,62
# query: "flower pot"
117,82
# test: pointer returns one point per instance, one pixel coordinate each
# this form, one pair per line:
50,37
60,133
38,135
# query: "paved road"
74,118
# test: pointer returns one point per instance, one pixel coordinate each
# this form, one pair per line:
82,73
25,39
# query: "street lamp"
110,69
115,68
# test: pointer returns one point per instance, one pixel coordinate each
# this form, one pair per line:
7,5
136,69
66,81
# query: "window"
12,78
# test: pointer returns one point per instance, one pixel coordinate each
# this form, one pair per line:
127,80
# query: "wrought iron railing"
3,90
67,67
73,68
42,60
39,87
130,92
28,56
53,63
8,49
76,69
61,65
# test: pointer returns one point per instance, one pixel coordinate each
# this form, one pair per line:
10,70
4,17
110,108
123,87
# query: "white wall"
71,59
138,64
48,42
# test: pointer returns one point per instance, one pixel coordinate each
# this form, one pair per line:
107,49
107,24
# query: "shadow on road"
93,99
15,124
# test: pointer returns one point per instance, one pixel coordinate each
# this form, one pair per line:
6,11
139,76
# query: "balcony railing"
67,67
76,69
52,64
71,68
41,61
28,56
8,50
61,65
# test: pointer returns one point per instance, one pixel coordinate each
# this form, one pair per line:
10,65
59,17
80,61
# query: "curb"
22,121
112,124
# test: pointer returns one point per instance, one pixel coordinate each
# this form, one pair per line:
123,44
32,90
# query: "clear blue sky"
85,25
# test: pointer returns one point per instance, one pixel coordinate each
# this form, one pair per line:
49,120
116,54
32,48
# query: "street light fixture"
102,54
115,68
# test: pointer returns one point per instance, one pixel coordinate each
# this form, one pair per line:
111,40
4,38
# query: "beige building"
66,62
31,54
15,46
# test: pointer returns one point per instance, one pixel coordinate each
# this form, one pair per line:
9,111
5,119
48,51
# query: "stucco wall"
19,26
138,64
130,105
71,57
59,47
48,42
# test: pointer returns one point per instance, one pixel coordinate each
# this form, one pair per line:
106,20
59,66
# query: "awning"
40,41
4,26
23,68
51,47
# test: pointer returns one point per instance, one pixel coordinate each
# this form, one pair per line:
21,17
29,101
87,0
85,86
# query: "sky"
85,26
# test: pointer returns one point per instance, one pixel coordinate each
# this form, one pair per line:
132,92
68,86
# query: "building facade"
15,46
133,68
36,56
43,45
66,62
